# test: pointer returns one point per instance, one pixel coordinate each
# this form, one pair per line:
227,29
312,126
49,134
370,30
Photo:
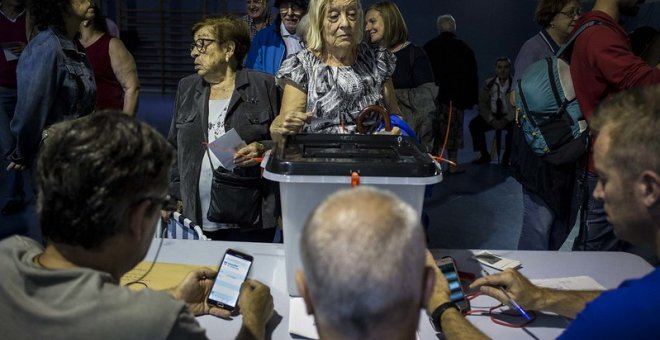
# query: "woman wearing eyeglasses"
230,201
547,215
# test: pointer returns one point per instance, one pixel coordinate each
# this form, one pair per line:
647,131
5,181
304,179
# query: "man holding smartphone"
627,160
103,180
364,274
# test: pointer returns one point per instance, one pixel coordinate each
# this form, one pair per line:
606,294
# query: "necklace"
218,127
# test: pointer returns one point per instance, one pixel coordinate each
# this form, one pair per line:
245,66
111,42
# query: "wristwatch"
437,314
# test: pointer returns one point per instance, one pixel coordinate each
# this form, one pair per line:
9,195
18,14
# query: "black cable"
160,245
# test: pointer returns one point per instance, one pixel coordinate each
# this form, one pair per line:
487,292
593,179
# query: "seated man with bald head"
364,274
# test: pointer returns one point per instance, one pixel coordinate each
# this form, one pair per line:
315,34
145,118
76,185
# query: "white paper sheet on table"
570,283
225,147
303,324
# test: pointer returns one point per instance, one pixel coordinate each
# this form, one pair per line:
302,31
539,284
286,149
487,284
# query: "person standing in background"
279,40
257,17
547,215
603,64
220,97
54,83
117,82
413,76
12,42
455,72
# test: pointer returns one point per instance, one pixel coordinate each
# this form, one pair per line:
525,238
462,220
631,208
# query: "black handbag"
236,198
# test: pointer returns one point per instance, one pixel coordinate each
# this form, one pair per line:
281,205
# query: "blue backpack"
548,112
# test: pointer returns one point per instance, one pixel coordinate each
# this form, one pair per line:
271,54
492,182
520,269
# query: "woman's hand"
395,132
290,123
249,155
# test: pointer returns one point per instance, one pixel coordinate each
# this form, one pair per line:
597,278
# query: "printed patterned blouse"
337,94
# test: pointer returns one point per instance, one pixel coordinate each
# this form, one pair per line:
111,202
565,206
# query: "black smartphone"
233,270
456,293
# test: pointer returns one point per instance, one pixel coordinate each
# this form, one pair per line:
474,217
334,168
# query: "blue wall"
492,27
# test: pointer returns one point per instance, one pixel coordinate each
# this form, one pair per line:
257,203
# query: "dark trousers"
479,127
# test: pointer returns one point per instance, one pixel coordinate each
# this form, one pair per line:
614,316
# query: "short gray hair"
363,258
446,23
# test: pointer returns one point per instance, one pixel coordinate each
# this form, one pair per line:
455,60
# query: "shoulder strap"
574,36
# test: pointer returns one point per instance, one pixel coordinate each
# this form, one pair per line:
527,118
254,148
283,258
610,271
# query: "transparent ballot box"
309,167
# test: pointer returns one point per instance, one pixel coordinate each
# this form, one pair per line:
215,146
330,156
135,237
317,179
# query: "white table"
608,268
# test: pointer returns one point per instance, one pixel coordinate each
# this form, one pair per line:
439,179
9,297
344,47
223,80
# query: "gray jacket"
252,107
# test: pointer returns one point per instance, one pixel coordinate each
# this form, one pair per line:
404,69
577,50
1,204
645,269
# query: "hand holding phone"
194,289
456,293
233,270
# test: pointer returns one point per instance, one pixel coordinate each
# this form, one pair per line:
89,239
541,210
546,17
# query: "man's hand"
454,324
256,305
440,292
519,288
255,301
247,155
563,302
194,289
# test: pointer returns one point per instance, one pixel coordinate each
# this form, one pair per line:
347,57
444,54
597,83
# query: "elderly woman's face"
208,53
564,21
340,24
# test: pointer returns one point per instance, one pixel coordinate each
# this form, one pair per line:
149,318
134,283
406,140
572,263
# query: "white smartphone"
233,270
456,293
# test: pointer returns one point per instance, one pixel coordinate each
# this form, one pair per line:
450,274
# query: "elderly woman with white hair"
327,84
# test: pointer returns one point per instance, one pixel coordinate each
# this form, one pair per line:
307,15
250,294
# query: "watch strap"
437,314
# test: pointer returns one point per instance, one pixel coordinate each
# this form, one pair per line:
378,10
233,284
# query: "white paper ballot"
301,323
225,146
570,283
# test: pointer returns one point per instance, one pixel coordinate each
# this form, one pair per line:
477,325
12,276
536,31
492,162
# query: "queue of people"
266,82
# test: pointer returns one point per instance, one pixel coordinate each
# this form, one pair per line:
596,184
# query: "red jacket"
603,64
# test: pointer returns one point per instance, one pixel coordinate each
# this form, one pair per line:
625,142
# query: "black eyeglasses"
576,12
201,44
167,203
